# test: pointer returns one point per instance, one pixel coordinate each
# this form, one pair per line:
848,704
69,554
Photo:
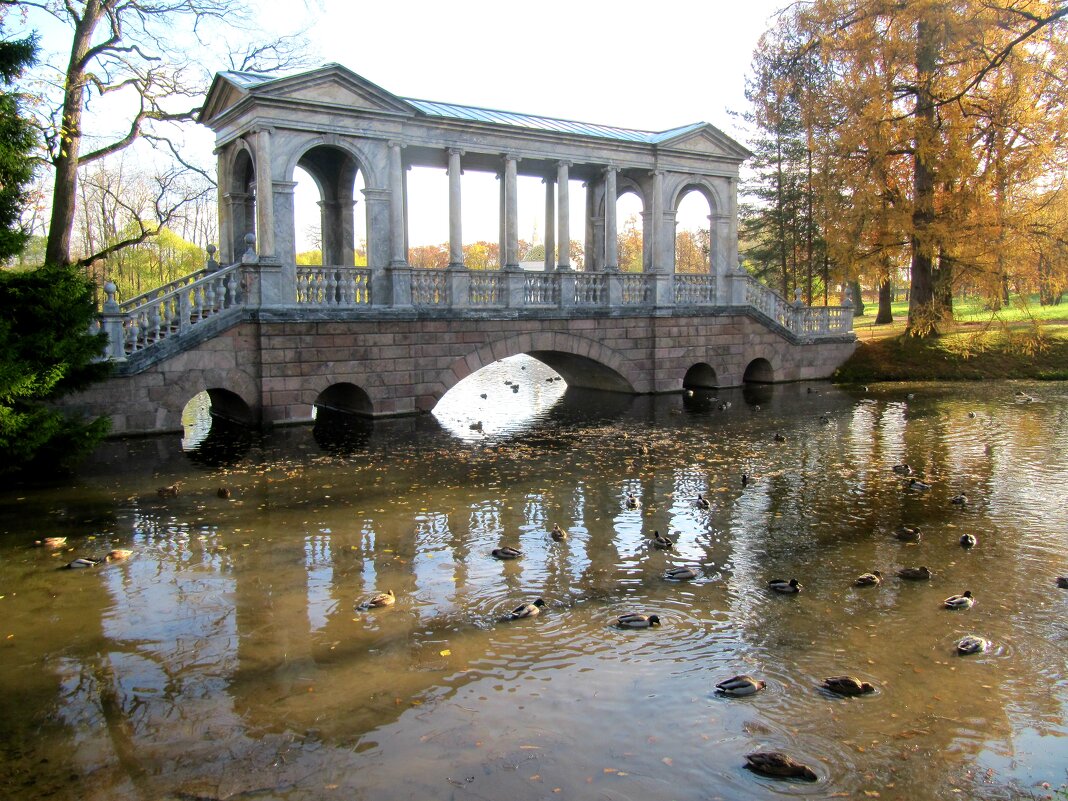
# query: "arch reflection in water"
505,397
341,433
217,428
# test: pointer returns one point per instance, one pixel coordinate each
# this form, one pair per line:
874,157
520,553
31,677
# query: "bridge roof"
247,82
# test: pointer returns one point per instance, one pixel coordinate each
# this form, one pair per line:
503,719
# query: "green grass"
1021,308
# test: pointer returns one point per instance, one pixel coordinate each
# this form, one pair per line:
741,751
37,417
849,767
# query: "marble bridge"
270,340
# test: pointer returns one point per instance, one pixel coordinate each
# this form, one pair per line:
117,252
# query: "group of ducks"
114,555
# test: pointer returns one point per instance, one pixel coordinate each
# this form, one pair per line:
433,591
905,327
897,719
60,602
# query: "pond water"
226,657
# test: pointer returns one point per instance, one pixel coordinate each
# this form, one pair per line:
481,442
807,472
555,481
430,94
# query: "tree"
17,141
132,54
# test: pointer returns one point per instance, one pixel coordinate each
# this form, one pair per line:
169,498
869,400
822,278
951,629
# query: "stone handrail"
333,286
160,291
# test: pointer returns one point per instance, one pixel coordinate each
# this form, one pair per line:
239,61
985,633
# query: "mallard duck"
680,574
51,542
661,542
868,579
972,644
118,554
702,503
964,601
915,573
532,609
825,420
903,469
745,480
633,620
779,437
917,485
778,765
558,533
507,552
847,685
378,601
223,492
739,686
967,540
1062,582
909,534
784,586
83,561
959,500
170,491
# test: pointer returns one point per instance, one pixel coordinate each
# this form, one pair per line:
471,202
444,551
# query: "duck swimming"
909,534
118,554
680,574
868,579
632,501
507,552
972,644
847,685
661,542
740,686
903,469
633,620
917,485
378,601
558,533
967,540
963,601
526,610
959,500
915,573
51,542
1062,582
784,586
778,765
83,562
702,503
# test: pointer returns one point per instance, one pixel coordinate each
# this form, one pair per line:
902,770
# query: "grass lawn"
1019,341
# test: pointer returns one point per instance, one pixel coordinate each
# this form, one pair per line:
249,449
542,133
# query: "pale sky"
650,65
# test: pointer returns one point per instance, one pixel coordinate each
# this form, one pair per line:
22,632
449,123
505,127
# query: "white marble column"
563,220
398,256
511,214
611,233
264,195
550,224
659,262
456,244
226,228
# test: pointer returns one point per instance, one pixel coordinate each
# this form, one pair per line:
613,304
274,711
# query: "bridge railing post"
615,289
401,279
459,288
516,287
111,323
663,289
567,289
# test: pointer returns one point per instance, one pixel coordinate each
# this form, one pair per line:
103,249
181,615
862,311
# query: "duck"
903,469
868,579
917,485
223,492
847,685
959,500
909,534
634,620
118,555
824,420
702,503
963,601
915,573
1062,582
83,562
740,686
779,765
779,437
972,644
170,491
661,542
558,533
507,552
784,586
532,609
967,540
378,601
680,574
51,542
745,480
632,501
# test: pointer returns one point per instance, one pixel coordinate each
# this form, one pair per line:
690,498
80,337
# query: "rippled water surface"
227,659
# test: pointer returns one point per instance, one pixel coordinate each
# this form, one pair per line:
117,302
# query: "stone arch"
352,373
687,186
345,397
700,376
232,388
359,154
240,195
628,186
582,362
759,370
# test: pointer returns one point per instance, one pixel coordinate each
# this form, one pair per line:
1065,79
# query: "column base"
564,268
457,265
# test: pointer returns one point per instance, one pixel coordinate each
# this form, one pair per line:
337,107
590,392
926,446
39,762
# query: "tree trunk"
856,298
943,284
65,161
886,297
922,321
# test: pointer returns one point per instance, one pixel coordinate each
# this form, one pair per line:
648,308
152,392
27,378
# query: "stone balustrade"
173,309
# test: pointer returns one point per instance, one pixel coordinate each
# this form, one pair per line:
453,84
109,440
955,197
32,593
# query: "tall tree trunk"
886,297
921,321
781,212
808,233
65,161
943,286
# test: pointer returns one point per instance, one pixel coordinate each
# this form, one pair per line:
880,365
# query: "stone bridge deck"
270,343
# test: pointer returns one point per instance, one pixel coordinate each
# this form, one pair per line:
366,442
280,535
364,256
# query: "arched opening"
427,195
693,245
758,371
700,376
629,232
217,426
242,200
345,398
329,225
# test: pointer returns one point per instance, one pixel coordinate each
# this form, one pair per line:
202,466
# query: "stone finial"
211,265
797,296
110,304
249,256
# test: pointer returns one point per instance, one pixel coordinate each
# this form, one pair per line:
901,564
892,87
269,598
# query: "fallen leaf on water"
667,761
445,652
531,747
536,777
610,770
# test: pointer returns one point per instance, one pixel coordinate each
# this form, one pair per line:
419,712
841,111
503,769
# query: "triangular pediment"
706,140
